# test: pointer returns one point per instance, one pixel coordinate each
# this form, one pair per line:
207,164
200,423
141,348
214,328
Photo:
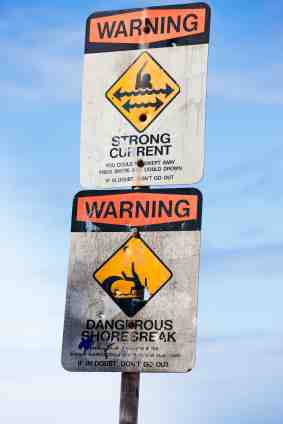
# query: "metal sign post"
130,388
129,397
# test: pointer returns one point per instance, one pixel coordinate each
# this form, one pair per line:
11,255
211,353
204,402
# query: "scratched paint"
166,325
171,146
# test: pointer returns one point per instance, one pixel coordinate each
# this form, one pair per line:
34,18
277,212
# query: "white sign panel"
133,277
144,90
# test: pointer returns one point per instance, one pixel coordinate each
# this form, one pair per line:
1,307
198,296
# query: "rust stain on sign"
132,296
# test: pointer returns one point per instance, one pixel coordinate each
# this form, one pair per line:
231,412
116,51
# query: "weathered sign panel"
132,284
144,89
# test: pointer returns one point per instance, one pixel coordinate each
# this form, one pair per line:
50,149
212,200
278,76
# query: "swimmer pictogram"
143,91
132,275
143,80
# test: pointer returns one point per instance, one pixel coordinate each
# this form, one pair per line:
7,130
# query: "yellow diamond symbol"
132,275
143,91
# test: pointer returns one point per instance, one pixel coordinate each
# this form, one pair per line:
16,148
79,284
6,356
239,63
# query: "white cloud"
41,62
241,379
263,86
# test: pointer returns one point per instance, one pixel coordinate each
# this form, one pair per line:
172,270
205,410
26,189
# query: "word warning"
143,103
132,284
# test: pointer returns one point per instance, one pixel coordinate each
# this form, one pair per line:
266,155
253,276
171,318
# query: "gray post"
130,386
129,398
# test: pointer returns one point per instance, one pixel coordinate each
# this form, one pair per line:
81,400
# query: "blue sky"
239,372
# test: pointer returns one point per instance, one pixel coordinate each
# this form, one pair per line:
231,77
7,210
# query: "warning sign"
132,283
143,99
143,91
132,275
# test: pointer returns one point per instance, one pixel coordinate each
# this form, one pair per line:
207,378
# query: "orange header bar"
137,209
147,26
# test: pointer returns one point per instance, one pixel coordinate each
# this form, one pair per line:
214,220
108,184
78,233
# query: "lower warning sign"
132,285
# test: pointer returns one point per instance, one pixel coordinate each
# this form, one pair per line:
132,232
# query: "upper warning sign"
143,91
155,26
143,97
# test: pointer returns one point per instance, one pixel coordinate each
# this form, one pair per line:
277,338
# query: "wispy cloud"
262,86
42,62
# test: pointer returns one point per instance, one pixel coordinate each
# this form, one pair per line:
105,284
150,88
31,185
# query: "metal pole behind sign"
129,400
130,385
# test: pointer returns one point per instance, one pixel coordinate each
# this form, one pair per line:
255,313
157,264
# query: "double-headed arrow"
156,105
119,94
